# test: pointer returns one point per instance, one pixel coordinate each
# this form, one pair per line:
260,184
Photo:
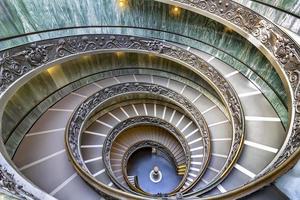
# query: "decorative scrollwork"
8,183
74,45
36,54
10,70
285,51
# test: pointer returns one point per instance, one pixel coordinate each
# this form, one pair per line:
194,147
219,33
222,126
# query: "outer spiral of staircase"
165,99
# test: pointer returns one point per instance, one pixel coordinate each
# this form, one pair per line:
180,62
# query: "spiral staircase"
149,99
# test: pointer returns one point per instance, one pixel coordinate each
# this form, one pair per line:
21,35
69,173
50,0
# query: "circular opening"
155,175
155,172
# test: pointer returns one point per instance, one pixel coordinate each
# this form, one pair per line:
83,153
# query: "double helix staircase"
211,88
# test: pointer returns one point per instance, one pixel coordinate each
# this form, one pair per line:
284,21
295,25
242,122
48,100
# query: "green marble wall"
290,6
285,13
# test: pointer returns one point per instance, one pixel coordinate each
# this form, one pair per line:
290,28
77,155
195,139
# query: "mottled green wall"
292,6
285,13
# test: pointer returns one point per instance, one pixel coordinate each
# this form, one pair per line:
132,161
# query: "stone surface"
282,12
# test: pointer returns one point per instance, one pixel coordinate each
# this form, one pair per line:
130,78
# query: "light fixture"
120,53
175,11
122,3
227,29
52,70
86,57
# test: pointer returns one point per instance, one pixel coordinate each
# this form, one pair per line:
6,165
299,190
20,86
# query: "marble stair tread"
255,105
106,82
221,131
77,189
50,173
264,157
241,84
203,103
233,182
223,148
90,153
51,120
109,120
91,139
88,90
69,102
214,116
36,147
262,131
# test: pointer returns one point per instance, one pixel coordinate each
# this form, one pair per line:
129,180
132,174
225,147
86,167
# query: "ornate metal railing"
85,110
